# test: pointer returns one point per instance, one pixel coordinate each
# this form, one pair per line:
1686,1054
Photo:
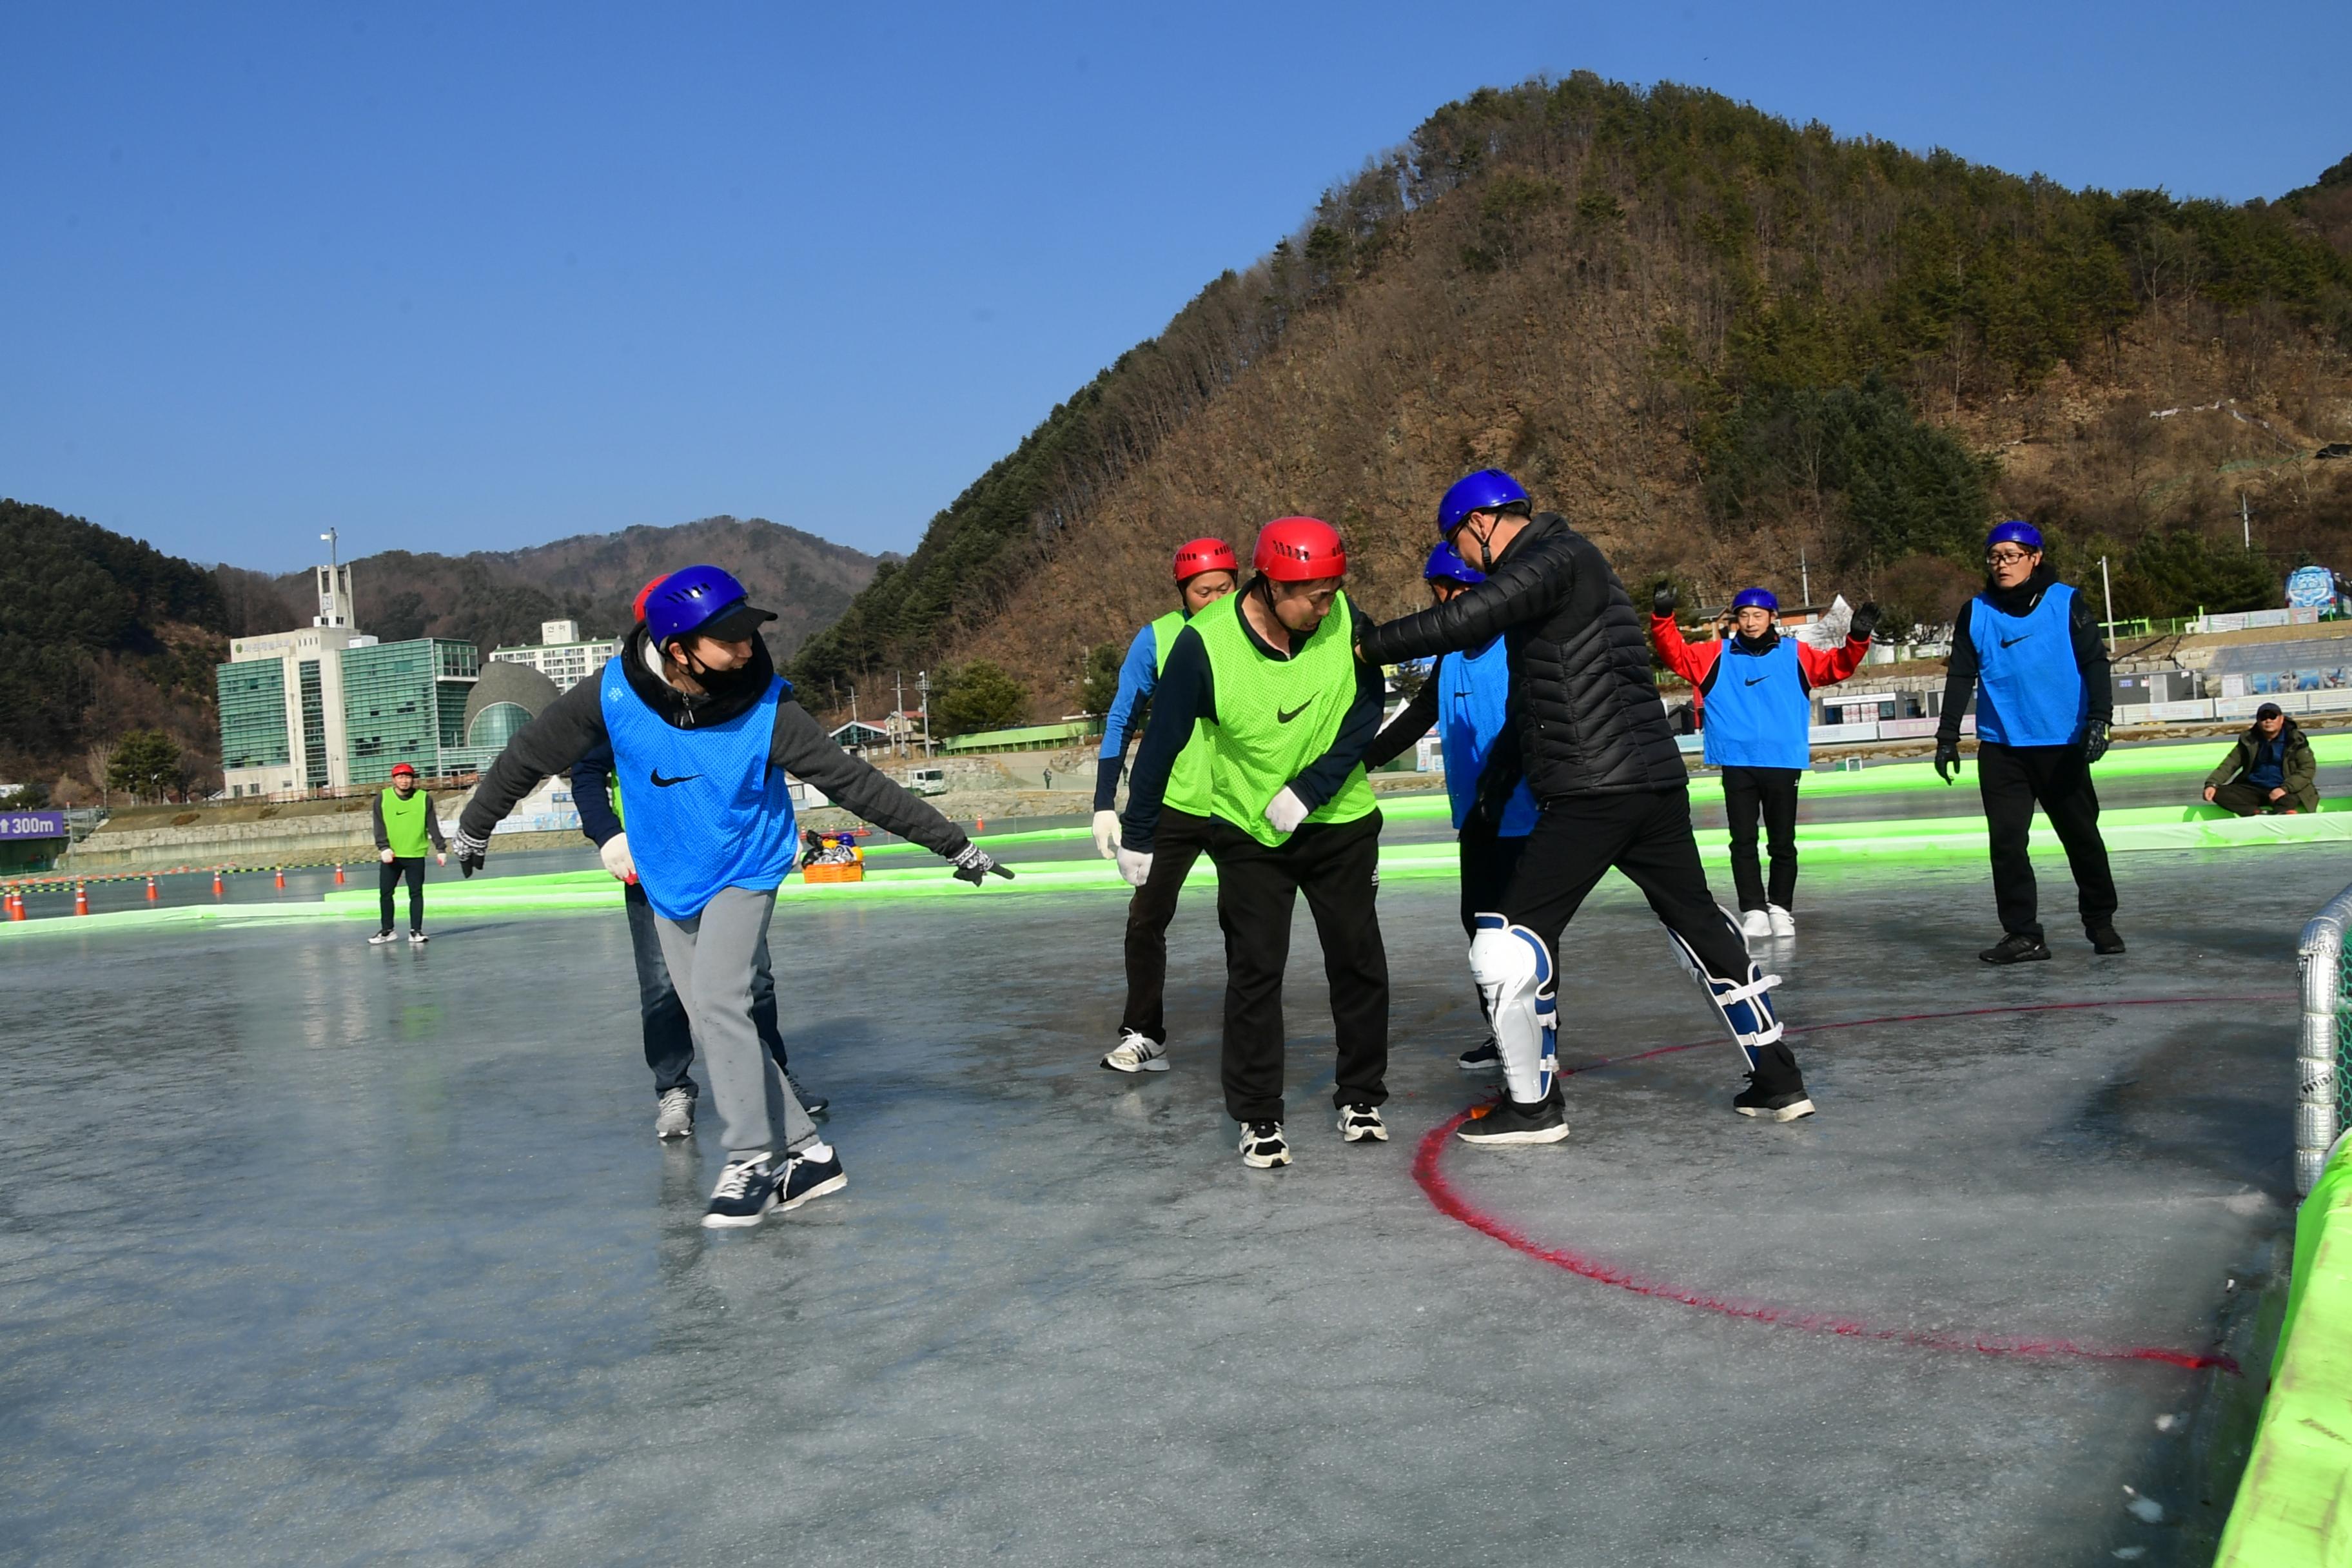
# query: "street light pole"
2108,585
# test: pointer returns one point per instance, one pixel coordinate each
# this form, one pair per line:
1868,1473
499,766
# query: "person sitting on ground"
2269,769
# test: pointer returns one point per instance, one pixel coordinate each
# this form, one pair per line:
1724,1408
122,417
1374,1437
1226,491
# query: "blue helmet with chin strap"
1485,491
2015,531
1446,565
1755,599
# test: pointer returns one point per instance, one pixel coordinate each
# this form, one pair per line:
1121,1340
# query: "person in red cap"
1267,682
1206,571
404,825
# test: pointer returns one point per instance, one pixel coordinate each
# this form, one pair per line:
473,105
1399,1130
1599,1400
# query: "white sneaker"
1755,922
674,1114
417,939
381,938
1137,1053
1264,1146
1783,922
1358,1122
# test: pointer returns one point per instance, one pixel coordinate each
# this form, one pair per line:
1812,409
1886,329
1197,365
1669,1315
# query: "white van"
927,781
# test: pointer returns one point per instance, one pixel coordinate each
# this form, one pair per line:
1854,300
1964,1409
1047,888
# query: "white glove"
1286,811
384,855
614,853
1135,866
1107,834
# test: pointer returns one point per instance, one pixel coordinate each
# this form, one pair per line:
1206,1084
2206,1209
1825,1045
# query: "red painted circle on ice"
1428,1161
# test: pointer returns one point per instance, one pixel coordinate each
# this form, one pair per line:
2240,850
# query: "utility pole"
900,713
1804,577
923,686
2108,585
2245,521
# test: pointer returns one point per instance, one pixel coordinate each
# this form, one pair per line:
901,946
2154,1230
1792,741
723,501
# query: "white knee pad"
1513,969
1744,1003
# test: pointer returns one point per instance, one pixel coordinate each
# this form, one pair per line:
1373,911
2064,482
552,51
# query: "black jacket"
573,728
1584,710
2090,651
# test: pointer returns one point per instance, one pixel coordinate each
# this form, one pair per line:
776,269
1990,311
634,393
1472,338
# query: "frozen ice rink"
318,1253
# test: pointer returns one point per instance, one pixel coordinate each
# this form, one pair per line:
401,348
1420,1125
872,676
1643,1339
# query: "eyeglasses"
2007,557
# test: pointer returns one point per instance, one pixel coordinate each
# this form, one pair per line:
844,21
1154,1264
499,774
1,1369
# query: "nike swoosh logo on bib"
661,783
2012,642
1282,718
1754,679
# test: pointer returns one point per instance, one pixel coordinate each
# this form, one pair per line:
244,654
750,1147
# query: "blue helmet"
2014,532
1446,565
1482,491
700,601
1755,599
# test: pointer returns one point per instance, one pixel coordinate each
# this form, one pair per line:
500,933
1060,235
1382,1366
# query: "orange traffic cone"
152,894
216,882
980,827
16,905
81,899
281,878
338,874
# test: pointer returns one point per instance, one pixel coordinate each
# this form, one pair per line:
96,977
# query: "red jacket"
1697,665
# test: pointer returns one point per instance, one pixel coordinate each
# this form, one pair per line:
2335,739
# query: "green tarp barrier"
2294,1508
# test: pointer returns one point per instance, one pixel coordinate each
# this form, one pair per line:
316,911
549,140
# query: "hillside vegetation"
1719,342
499,596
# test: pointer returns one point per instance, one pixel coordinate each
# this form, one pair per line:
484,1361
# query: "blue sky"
453,278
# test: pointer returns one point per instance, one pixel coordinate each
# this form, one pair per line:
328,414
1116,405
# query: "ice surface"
312,1252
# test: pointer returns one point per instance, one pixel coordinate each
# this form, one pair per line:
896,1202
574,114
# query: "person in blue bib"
1206,570
702,731
1466,700
2029,650
1755,687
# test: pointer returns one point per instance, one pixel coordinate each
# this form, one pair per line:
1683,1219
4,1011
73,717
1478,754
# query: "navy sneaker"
805,1180
2016,949
1509,1122
746,1192
1480,1057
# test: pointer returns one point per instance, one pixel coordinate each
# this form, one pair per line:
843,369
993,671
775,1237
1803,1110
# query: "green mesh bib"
1275,716
1188,781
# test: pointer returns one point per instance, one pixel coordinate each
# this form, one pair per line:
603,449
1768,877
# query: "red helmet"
400,768
1300,549
1195,556
637,604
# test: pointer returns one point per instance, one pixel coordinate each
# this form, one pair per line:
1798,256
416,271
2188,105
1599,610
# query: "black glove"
1664,601
1947,759
2094,741
975,863
1865,622
471,851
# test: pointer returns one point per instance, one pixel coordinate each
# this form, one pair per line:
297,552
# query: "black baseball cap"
735,622
2270,710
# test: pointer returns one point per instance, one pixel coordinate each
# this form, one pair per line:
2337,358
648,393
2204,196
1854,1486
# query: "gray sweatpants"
710,959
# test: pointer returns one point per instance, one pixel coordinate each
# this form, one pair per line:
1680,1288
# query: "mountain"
1723,345
490,597
100,634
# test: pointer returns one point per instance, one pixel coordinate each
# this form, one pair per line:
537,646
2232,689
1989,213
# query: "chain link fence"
2323,1078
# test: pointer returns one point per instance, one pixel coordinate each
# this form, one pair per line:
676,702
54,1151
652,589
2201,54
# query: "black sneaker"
816,1105
2105,940
746,1190
2015,949
1264,1146
1479,1059
1509,1122
808,1179
1787,1105
1358,1122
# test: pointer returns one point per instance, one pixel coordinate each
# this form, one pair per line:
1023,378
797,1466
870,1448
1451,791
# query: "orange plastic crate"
853,872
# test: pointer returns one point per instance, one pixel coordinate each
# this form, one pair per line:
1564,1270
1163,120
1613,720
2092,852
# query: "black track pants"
1336,866
1174,847
2013,779
1488,862
410,867
1771,792
1646,835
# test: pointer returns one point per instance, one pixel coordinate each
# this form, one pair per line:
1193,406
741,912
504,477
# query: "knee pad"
1513,968
1743,1001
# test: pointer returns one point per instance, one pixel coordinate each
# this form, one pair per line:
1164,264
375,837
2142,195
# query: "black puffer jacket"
1584,708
